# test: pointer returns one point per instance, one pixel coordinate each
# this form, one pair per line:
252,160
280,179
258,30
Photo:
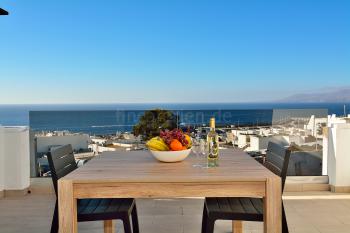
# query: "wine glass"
196,150
204,152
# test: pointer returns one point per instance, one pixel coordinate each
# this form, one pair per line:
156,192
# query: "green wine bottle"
213,145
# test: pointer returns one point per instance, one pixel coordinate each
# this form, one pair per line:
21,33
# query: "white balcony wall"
14,158
327,139
2,171
339,154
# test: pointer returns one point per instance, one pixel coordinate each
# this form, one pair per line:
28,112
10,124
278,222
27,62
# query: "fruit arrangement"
170,140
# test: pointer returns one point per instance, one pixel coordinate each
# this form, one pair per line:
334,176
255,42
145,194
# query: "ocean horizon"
112,118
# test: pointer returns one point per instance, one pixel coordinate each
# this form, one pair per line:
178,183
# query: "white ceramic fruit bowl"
170,156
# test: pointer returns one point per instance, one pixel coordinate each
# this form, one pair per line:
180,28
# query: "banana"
189,140
157,144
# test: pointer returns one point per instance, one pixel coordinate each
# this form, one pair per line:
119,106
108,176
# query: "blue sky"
171,51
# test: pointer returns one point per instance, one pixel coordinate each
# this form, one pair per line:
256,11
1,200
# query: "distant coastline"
330,95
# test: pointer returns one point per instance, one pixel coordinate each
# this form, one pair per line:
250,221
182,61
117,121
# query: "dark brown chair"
61,162
240,209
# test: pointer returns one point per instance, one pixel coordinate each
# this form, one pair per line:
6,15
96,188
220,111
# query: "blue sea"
105,119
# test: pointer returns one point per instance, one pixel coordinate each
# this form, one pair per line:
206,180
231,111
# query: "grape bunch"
168,136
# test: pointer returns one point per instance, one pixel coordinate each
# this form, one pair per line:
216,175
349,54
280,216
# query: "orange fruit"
175,145
184,148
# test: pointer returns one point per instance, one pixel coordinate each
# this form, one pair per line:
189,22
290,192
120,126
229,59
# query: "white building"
315,125
14,160
78,141
260,143
243,140
99,141
265,131
241,136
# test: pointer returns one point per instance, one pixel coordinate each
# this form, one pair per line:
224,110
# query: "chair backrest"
61,161
277,160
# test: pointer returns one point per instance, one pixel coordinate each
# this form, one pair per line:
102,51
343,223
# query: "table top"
140,166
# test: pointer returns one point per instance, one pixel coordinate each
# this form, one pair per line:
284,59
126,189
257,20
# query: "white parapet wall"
338,156
2,172
14,159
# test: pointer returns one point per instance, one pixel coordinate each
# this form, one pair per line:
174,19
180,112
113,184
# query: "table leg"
109,226
67,207
273,206
237,226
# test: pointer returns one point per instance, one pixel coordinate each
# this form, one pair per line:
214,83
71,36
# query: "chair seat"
238,208
104,209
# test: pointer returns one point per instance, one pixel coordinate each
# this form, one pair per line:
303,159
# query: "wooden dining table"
136,174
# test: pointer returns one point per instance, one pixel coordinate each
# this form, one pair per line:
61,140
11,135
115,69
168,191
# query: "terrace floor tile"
306,214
